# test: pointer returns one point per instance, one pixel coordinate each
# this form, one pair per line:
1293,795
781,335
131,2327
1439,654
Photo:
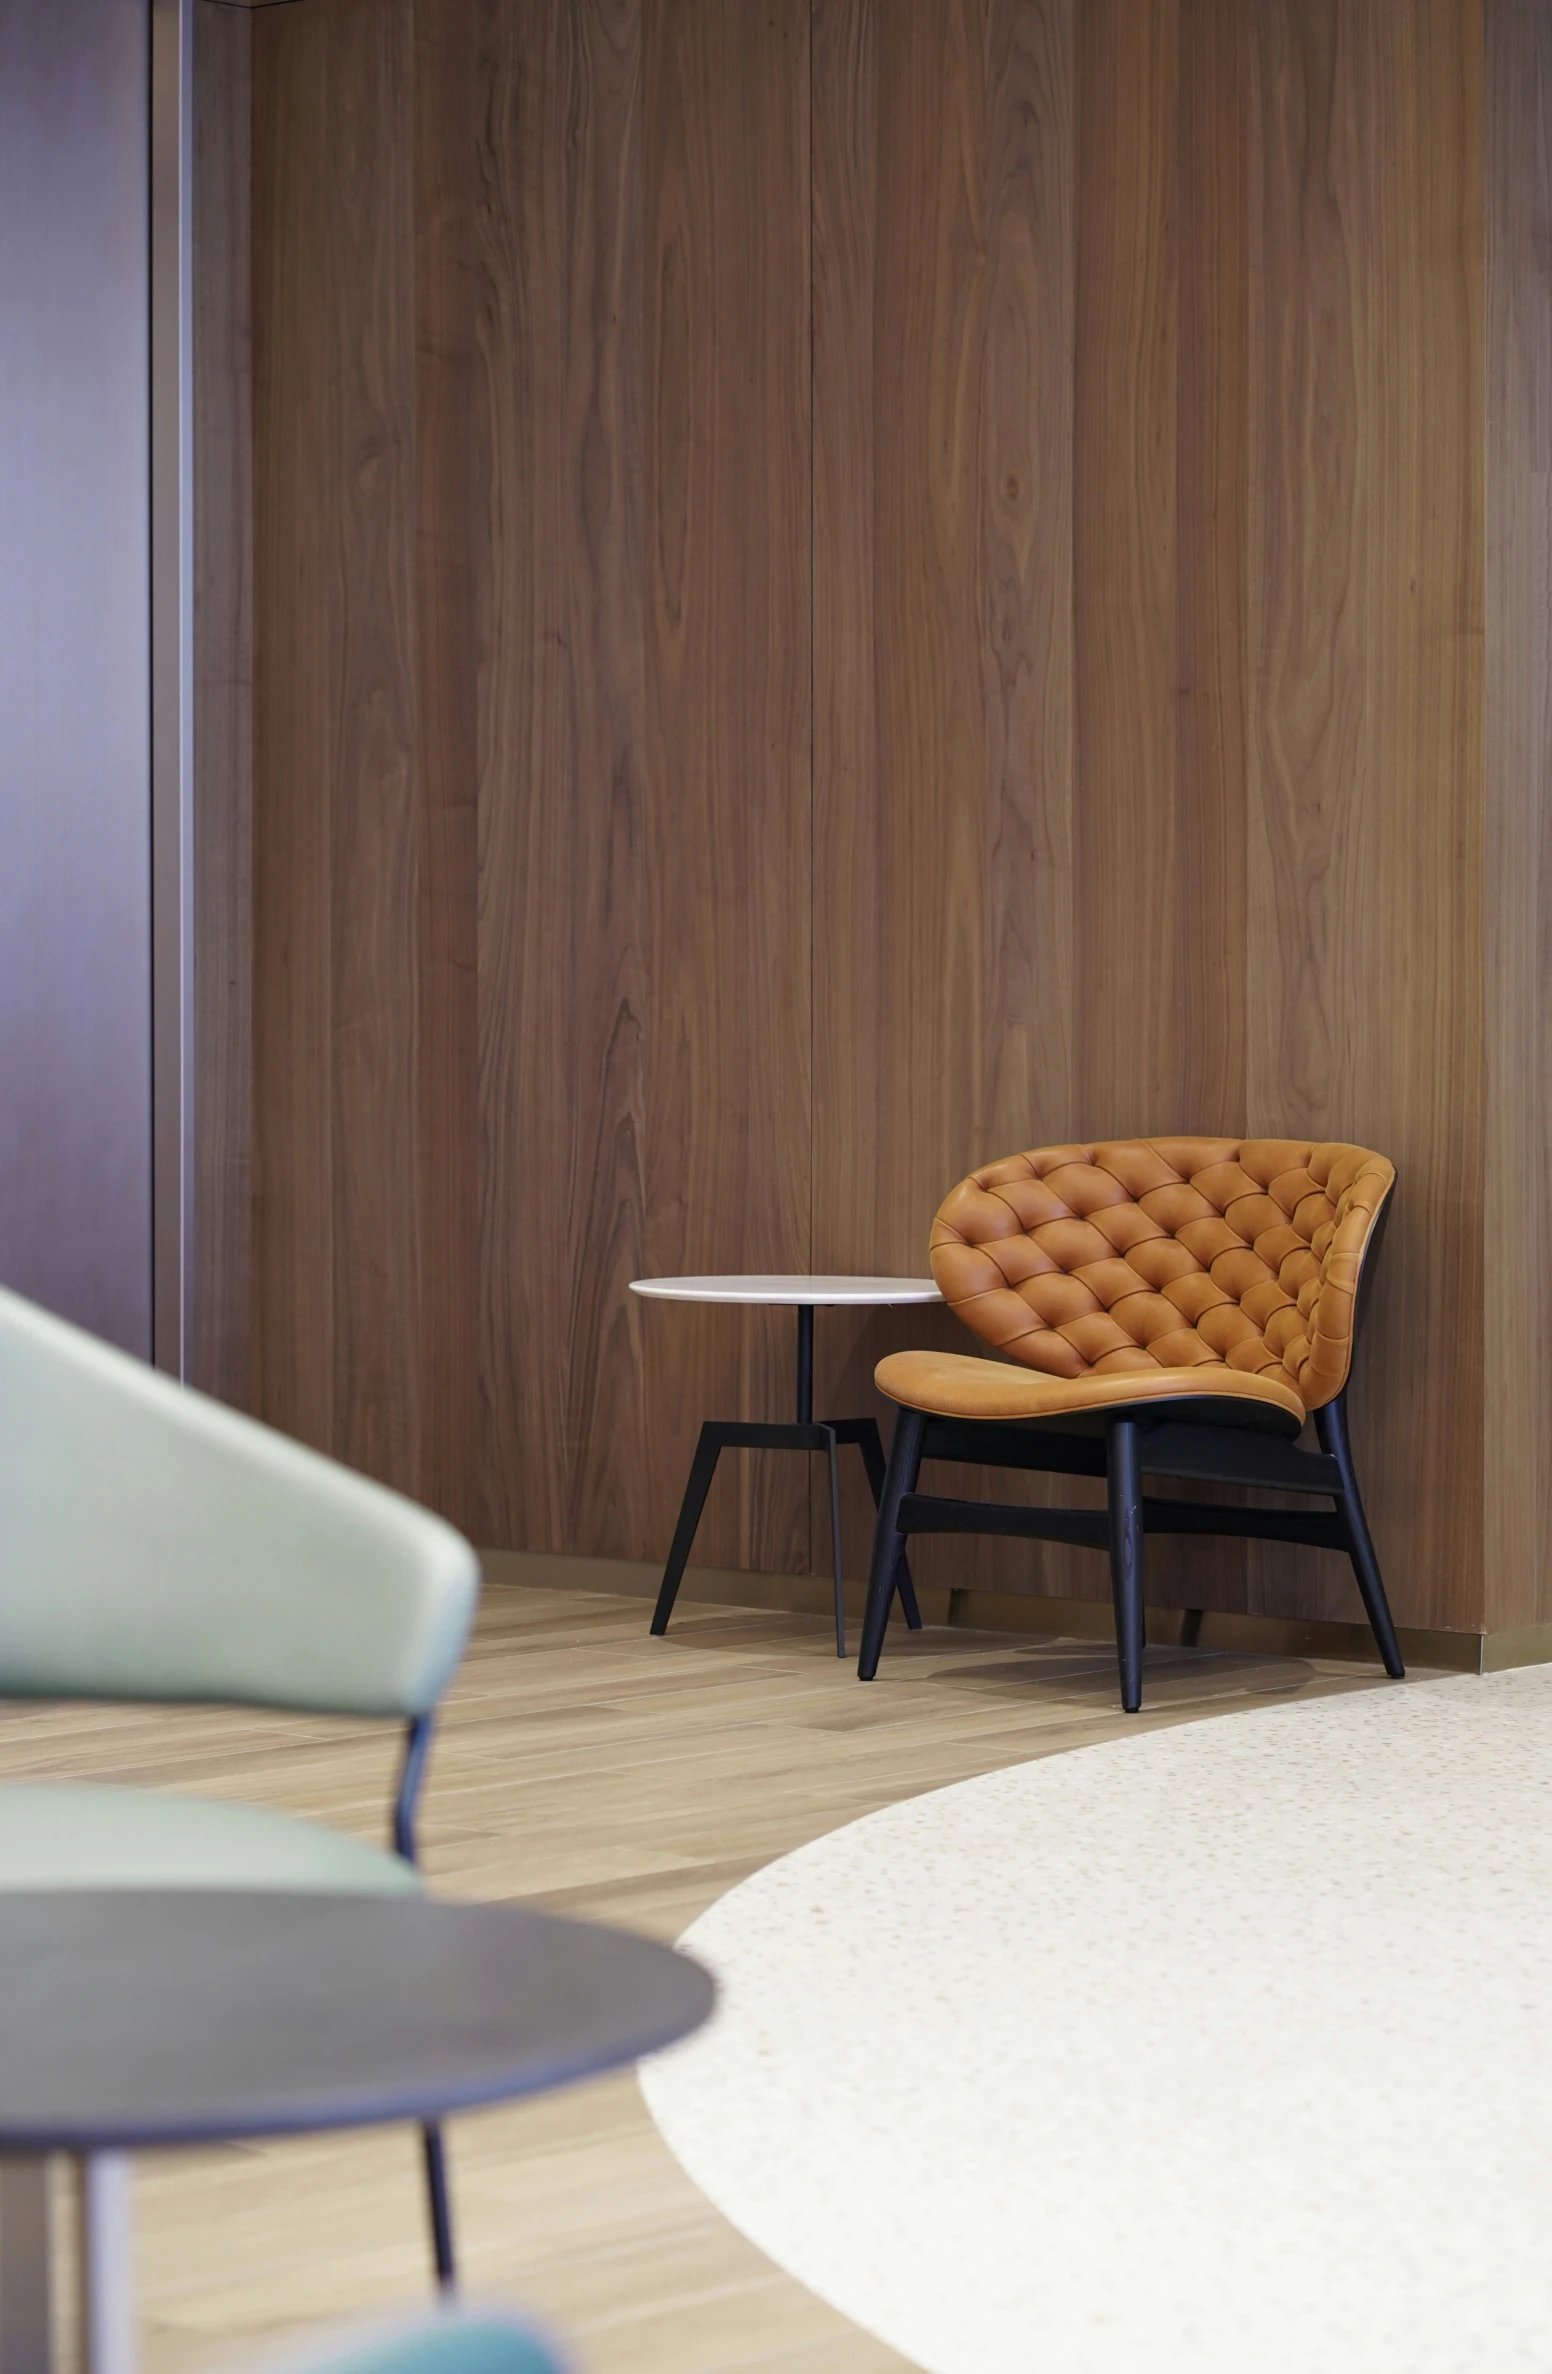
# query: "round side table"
135,2020
804,1295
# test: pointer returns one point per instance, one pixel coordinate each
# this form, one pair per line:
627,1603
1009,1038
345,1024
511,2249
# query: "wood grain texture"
1365,872
380,1385
844,588
1517,831
1127,955
221,1336
727,852
1212,457
562,721
447,542
295,527
336,846
900,188
943,264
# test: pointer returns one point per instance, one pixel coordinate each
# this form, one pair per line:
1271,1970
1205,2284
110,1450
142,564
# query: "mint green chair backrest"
155,1545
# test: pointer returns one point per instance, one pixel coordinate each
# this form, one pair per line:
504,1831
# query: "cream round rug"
1224,2047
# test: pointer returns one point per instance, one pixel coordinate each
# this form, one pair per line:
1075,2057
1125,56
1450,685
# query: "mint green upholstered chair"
156,1546
483,2341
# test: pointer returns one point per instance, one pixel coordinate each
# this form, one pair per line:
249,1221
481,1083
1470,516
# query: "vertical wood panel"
929,343
335,739
1518,815
1208,918
1025,604
524,1072
221,1354
565,1461
1212,492
727,837
854,1225
1127,964
1159,468
448,528
900,768
943,166
850,1163
374,756
295,313
1365,862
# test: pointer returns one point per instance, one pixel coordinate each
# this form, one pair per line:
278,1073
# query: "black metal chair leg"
873,1460
905,1455
835,1541
441,2208
702,1468
1126,1569
1331,1430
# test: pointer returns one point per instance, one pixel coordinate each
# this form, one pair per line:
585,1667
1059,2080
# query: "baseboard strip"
1009,1611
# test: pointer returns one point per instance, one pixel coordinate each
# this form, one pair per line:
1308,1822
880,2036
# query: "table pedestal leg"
26,2327
107,2265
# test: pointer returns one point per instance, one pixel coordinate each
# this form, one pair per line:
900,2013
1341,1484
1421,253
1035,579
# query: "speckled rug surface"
1224,2047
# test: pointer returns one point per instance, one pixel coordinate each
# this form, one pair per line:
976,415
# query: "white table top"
828,1292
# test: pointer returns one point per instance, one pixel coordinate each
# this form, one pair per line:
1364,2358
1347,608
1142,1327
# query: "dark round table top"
131,2019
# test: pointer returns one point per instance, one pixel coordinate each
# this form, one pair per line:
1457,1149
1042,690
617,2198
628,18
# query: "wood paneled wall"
844,586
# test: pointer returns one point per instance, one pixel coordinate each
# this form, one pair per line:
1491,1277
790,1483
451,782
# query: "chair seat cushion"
957,1385
71,1834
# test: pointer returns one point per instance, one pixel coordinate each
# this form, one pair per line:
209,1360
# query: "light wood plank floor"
587,1768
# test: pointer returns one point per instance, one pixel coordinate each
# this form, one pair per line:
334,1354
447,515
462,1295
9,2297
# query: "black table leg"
872,1450
835,1539
805,1417
803,1434
702,1468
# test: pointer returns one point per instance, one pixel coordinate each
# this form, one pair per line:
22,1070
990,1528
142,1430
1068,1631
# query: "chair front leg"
1331,1432
1124,1475
905,1457
439,2207
873,1460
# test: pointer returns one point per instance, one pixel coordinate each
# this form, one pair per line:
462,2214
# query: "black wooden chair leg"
1124,1473
702,1468
1331,1430
835,1541
440,2207
905,1456
873,1460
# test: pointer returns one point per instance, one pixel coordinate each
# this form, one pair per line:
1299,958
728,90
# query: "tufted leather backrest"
1166,1253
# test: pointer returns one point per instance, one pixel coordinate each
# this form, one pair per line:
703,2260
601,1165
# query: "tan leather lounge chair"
1166,1307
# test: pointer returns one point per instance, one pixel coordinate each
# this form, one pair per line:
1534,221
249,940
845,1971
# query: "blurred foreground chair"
156,1546
475,2341
1171,1307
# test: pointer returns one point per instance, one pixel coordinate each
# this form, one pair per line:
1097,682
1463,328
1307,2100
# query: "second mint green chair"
156,1546
477,2341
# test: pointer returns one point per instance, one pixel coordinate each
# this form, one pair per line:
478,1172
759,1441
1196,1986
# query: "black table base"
802,1434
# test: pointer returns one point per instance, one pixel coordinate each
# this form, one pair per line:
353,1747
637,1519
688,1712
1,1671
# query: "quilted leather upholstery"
1162,1265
